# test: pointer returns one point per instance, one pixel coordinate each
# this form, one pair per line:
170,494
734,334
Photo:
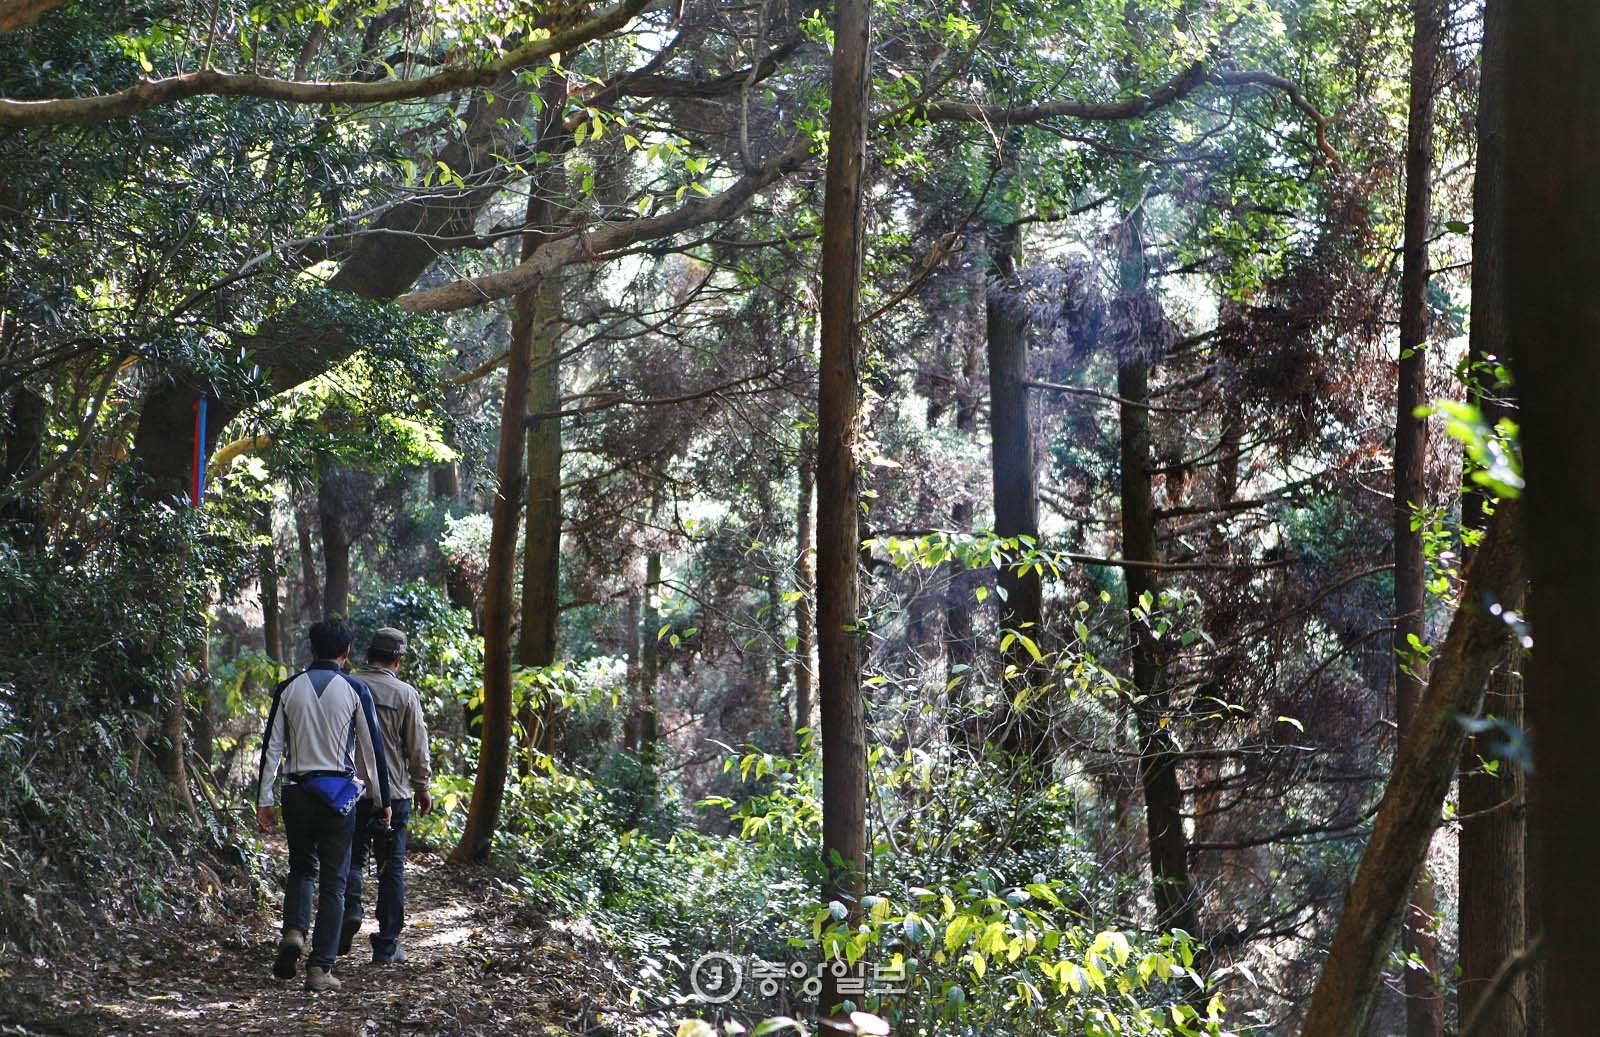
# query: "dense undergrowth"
987,913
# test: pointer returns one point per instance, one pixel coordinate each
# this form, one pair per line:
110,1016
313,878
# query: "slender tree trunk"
630,724
805,583
541,568
332,503
1419,937
844,739
499,595
1552,222
310,585
1016,503
960,635
1492,880
649,717
1418,784
1173,890
267,567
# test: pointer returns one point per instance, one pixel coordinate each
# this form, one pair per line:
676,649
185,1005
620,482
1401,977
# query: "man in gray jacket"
405,740
318,718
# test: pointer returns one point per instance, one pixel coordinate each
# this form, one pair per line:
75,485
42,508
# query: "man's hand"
267,818
387,814
424,802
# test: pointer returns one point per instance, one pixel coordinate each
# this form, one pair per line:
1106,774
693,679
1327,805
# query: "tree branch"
151,93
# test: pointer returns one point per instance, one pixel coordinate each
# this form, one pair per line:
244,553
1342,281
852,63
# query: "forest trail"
478,963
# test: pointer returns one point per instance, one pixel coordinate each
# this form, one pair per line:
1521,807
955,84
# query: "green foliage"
444,659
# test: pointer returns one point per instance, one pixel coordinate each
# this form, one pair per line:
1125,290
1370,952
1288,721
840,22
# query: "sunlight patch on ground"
445,926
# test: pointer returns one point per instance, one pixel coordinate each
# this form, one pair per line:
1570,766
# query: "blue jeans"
319,852
391,875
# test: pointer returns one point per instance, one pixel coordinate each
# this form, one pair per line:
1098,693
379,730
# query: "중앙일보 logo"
717,978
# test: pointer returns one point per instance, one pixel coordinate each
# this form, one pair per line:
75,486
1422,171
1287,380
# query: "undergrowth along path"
478,963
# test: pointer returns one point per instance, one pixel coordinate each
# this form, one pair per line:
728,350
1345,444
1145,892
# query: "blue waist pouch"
339,793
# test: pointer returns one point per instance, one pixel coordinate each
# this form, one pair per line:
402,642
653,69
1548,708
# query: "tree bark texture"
1418,783
1177,904
844,742
332,503
1552,221
805,581
1016,501
1492,877
1419,938
541,566
499,595
649,716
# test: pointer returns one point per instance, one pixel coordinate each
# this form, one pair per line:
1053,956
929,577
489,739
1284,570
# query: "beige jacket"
405,737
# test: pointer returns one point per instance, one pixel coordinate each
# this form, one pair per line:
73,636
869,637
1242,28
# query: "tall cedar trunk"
1418,784
332,502
1492,878
777,653
1419,939
960,640
1552,222
630,725
494,733
1176,902
267,569
649,717
310,586
844,739
1016,502
1172,887
541,567
805,584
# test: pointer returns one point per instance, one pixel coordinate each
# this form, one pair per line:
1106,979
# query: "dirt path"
477,964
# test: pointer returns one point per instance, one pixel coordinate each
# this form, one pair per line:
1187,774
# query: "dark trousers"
319,853
391,874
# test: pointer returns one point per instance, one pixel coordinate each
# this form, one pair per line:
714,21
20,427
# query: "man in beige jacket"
405,744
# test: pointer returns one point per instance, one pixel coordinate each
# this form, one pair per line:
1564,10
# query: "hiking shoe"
393,957
320,979
347,934
290,948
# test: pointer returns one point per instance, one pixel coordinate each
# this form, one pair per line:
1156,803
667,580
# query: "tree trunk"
844,740
310,586
1419,938
1492,878
332,503
805,583
267,568
1418,784
1016,503
649,717
1552,222
541,567
1173,890
960,643
494,739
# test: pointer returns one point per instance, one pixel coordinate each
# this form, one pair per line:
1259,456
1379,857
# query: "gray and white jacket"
320,717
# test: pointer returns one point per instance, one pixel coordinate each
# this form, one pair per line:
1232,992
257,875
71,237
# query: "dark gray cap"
388,641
